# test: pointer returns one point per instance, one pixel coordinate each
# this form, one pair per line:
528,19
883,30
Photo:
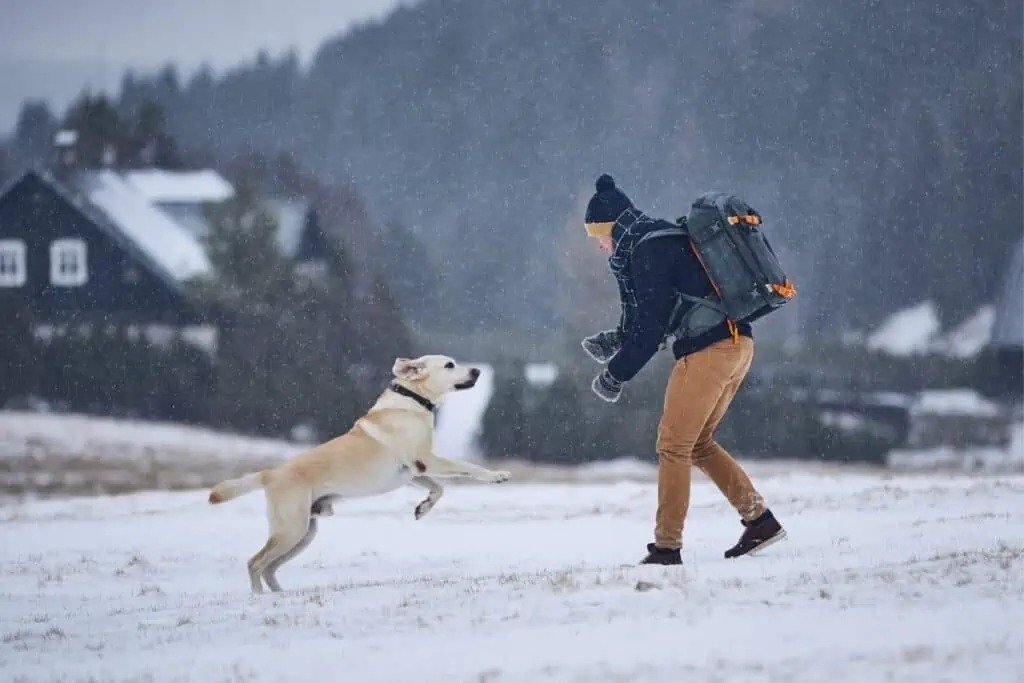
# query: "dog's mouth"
469,383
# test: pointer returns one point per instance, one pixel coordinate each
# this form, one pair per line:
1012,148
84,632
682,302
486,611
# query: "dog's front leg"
442,467
434,493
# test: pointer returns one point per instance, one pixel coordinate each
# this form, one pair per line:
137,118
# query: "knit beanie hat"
605,207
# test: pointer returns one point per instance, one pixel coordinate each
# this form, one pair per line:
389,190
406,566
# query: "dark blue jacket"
650,274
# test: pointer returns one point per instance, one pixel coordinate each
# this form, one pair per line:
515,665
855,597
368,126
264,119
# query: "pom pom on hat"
604,183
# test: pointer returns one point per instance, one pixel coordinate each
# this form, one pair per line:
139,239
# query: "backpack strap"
702,302
679,322
662,232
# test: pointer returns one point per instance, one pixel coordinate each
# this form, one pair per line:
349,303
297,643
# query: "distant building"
92,248
89,245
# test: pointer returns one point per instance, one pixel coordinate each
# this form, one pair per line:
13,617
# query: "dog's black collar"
399,389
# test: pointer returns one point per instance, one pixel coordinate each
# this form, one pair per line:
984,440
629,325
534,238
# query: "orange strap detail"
787,290
753,220
734,331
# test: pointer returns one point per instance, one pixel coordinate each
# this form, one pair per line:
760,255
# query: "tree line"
486,127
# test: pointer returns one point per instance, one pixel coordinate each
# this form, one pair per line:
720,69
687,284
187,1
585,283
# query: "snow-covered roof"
160,238
954,402
188,216
180,187
970,337
907,332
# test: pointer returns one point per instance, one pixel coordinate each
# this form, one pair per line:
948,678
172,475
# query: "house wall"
119,284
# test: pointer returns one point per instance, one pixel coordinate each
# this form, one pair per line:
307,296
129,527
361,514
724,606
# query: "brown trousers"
699,391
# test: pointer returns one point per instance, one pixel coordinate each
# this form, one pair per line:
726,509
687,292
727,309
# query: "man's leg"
761,529
715,461
694,387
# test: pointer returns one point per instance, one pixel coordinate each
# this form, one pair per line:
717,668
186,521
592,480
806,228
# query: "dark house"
93,260
104,246
91,249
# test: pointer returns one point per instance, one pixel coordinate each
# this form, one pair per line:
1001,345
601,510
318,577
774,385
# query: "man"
709,369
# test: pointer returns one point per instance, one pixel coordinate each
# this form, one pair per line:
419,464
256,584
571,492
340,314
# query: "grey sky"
51,49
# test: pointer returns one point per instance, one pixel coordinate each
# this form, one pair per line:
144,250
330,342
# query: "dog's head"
433,376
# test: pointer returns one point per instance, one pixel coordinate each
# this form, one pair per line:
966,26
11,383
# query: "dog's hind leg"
289,523
269,572
434,493
256,561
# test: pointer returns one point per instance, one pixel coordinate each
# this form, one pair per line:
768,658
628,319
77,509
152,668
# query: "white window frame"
12,253
74,250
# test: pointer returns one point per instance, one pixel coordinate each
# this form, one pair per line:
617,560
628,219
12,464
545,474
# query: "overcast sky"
51,49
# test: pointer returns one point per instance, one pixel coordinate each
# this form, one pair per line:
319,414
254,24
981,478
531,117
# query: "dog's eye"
449,365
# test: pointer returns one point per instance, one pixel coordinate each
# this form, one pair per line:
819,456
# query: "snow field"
906,578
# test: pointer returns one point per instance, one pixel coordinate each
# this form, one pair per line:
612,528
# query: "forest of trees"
876,138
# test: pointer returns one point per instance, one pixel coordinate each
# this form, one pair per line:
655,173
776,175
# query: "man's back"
672,261
660,269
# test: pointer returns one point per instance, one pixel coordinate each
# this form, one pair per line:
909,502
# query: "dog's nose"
474,372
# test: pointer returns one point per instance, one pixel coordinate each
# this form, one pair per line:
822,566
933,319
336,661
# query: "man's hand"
602,346
606,387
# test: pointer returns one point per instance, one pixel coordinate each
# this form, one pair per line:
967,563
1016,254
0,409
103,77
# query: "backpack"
748,280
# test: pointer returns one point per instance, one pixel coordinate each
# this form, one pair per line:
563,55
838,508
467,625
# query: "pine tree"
279,359
100,130
251,274
412,273
5,164
249,292
148,143
33,135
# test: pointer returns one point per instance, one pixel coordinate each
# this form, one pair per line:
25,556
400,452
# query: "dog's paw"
424,507
498,477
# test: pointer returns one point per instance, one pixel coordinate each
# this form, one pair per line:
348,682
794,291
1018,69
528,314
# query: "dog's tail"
233,488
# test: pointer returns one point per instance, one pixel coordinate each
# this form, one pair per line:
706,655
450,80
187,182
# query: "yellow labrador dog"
390,446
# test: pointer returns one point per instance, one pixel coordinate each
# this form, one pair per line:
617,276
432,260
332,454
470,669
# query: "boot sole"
770,542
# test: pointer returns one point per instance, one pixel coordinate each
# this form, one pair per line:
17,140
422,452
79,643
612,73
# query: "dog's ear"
409,370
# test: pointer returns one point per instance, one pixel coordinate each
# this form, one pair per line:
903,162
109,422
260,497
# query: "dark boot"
656,555
758,534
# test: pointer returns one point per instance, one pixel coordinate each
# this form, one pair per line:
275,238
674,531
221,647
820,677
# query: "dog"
390,446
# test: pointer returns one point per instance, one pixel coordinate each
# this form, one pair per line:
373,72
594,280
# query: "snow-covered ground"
884,577
80,454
